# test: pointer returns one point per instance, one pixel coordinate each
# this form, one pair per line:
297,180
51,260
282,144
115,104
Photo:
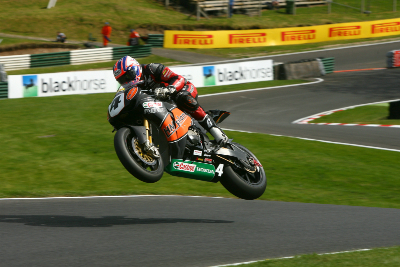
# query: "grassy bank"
371,258
370,114
31,18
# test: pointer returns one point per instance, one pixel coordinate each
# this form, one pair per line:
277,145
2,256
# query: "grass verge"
371,258
370,114
63,146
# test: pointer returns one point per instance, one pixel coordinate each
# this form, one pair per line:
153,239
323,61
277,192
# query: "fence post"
329,6
362,6
394,5
198,10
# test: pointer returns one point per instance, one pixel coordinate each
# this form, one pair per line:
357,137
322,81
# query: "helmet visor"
124,79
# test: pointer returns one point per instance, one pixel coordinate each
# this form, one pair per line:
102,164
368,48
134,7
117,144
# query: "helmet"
127,69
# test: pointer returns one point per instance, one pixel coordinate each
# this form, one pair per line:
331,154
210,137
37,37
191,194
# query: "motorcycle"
200,158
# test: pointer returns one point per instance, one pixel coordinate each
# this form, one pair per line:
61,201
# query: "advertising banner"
282,36
225,74
62,83
92,82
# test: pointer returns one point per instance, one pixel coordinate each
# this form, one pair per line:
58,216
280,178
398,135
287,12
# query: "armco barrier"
91,55
50,59
3,89
133,51
156,40
73,57
329,64
16,62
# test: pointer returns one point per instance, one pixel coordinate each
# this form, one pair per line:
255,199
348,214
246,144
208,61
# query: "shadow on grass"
105,221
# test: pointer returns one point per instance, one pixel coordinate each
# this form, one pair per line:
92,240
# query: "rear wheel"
245,180
131,154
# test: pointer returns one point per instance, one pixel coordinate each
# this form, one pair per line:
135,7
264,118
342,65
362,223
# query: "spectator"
61,37
106,32
133,38
231,4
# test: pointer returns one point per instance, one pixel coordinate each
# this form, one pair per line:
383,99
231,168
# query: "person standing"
231,3
106,32
133,38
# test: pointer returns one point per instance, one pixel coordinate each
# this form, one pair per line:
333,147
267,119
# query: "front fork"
146,124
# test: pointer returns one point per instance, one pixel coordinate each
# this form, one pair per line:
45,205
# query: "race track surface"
182,231
188,231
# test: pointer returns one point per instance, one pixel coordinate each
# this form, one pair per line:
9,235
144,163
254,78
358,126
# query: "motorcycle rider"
164,83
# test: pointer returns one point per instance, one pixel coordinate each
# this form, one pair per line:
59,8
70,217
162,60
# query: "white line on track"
316,116
318,80
88,197
290,257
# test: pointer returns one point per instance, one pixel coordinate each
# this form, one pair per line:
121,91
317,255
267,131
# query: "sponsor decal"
193,39
167,73
181,166
247,38
180,119
152,104
199,159
298,35
206,155
30,85
204,170
385,27
197,153
50,86
169,129
152,110
208,160
344,31
131,94
209,75
121,89
243,73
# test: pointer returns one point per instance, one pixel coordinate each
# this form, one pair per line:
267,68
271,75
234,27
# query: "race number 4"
220,169
117,105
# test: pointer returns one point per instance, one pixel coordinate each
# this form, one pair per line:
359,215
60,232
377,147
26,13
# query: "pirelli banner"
283,36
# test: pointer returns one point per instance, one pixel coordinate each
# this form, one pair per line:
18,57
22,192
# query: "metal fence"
363,6
74,57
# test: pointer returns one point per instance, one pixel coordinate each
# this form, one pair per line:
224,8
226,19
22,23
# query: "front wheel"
134,159
245,183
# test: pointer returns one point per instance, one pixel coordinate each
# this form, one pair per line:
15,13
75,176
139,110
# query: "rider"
164,82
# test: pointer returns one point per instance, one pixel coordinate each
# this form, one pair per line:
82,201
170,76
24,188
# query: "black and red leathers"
157,75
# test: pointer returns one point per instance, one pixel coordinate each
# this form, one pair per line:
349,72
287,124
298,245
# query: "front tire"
140,165
243,183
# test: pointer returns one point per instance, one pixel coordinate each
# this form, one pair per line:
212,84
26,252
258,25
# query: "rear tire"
125,143
242,183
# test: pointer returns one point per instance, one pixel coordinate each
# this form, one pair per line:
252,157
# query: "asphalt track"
186,231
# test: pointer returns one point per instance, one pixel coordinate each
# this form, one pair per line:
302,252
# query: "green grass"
63,146
77,19
7,41
372,258
370,114
93,66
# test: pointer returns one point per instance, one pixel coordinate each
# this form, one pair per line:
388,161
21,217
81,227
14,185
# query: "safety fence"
156,40
3,89
74,57
328,63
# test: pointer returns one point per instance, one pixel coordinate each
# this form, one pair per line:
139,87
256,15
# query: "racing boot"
209,125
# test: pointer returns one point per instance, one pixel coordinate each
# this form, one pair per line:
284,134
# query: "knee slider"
186,101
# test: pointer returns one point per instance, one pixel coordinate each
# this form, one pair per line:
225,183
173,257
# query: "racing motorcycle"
199,157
